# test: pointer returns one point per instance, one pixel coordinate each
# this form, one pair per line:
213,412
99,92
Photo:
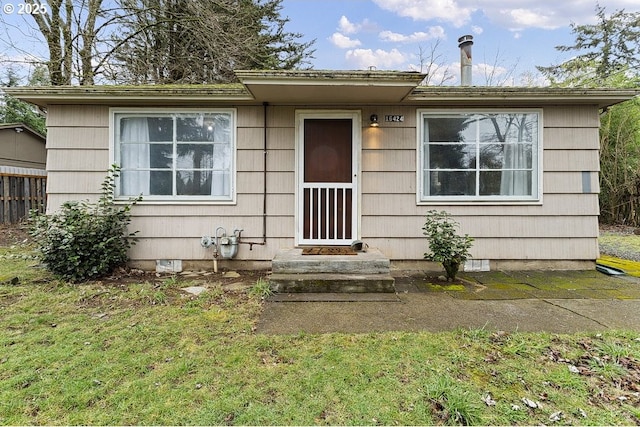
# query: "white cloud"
477,30
381,59
424,10
489,70
528,18
510,14
344,42
347,27
434,33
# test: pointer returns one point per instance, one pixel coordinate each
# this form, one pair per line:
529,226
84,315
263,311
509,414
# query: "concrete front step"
331,282
289,261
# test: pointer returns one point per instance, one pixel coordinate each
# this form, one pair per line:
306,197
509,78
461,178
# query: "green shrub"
85,240
445,246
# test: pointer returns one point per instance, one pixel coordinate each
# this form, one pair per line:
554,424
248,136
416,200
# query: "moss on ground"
632,268
620,245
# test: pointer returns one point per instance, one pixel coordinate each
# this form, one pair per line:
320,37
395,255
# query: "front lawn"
141,351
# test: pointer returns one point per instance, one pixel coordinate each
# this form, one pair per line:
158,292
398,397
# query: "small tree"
446,247
85,240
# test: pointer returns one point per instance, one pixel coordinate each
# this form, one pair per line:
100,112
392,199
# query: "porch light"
373,121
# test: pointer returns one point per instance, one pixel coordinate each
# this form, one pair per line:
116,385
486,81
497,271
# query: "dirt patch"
133,275
12,234
618,229
128,288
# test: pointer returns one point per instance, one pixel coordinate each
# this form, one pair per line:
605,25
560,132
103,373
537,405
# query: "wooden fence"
19,194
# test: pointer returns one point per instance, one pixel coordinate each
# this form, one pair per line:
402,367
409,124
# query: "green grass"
146,353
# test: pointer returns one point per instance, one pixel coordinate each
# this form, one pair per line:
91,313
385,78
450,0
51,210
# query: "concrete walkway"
556,302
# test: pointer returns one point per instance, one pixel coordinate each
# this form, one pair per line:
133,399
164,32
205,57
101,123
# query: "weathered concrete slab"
331,282
434,312
551,301
292,261
335,297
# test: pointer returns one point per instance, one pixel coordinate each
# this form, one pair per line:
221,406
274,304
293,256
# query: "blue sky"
511,37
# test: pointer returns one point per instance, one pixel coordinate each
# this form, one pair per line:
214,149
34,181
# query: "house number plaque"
394,118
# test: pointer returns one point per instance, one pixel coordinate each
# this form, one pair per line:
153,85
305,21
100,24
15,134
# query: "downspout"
264,185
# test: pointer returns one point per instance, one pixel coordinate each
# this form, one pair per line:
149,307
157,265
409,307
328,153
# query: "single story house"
295,158
22,147
23,175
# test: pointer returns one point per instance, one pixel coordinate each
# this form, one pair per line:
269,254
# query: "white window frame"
537,163
114,153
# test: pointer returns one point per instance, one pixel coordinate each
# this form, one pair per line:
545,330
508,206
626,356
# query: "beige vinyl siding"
497,249
78,156
563,226
174,231
486,227
83,116
21,149
86,138
77,152
554,205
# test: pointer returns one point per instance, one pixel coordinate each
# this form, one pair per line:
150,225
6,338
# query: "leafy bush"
445,246
85,240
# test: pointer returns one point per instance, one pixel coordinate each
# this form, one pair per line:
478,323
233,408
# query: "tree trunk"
451,267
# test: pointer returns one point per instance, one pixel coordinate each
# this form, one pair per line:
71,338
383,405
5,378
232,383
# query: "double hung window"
479,156
184,155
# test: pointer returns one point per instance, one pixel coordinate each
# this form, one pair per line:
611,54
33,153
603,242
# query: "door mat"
328,250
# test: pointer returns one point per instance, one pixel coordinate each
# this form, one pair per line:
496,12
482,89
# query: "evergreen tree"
182,41
13,110
609,56
604,50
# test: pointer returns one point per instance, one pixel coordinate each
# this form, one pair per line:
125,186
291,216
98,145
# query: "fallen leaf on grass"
530,403
488,400
556,416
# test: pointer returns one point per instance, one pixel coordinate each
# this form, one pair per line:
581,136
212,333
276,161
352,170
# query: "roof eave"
34,132
329,86
148,95
602,97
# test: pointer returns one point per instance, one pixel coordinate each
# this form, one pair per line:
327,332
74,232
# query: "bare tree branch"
431,63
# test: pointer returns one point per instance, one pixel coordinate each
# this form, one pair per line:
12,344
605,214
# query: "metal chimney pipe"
465,43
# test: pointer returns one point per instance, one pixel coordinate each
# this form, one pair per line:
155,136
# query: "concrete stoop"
365,272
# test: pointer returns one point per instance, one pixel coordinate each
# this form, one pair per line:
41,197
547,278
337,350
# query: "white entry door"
327,188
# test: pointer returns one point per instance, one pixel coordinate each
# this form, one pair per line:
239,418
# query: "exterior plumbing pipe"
264,187
215,248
